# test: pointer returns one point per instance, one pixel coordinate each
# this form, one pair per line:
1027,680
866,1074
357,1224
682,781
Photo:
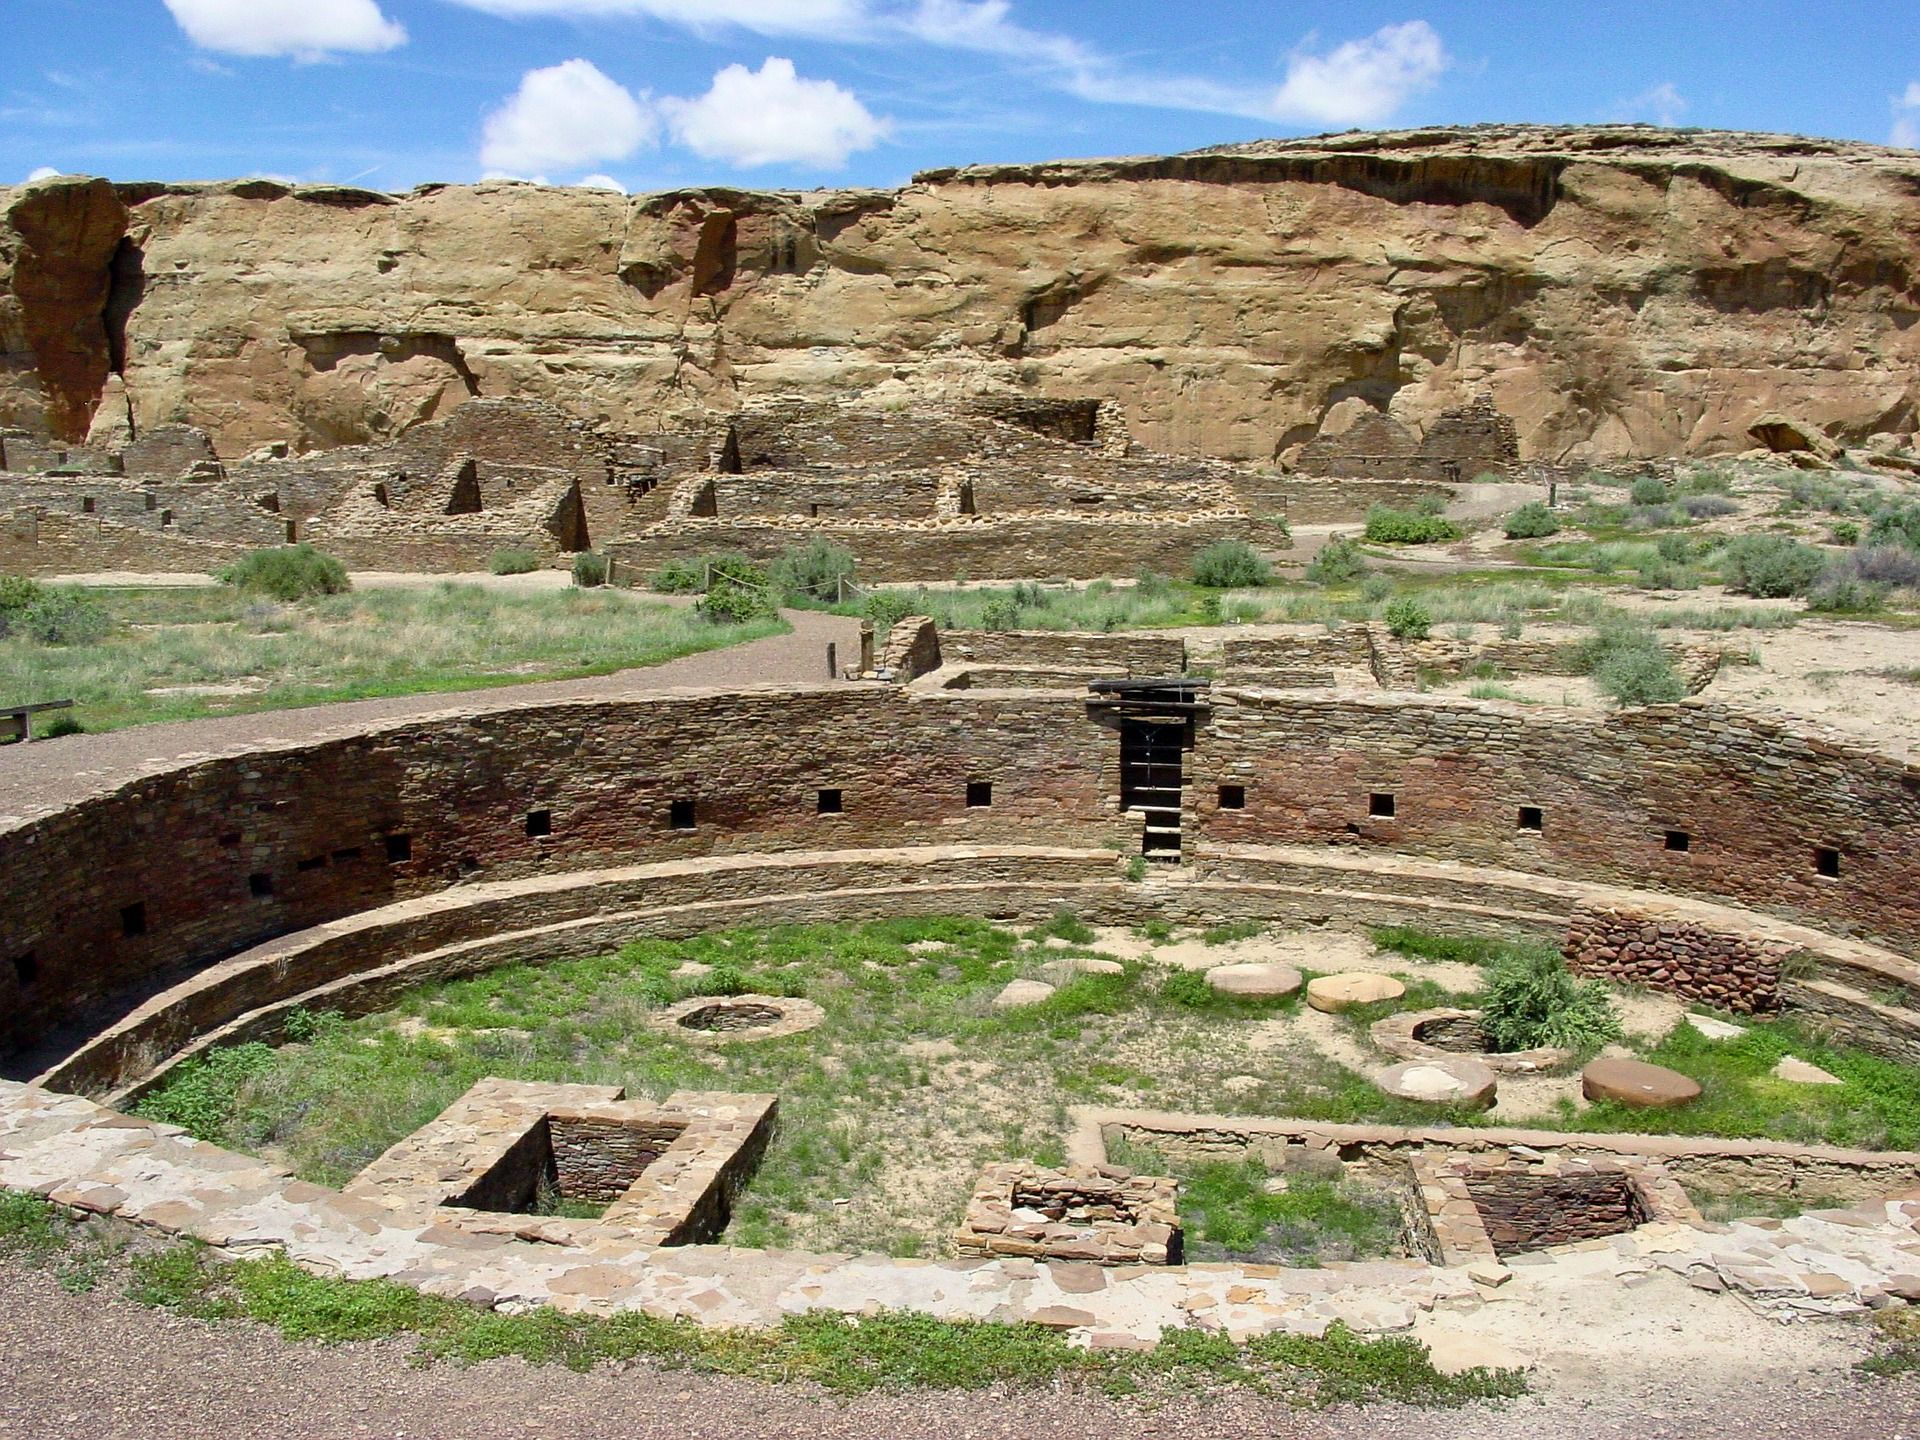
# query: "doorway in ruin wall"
1154,720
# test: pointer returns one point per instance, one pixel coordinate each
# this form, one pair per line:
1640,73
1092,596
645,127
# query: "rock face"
1615,291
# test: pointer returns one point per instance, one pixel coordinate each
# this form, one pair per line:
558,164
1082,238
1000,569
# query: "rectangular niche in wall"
399,848
133,919
26,969
1679,840
828,802
680,814
979,794
260,884
1531,818
1826,862
1233,797
539,823
1380,804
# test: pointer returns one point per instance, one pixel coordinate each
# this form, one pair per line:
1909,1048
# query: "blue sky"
649,94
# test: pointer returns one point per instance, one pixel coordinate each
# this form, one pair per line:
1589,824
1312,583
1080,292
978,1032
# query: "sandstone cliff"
1618,291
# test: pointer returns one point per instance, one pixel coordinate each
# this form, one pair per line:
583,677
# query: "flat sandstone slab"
1455,1080
1267,980
1334,993
1634,1082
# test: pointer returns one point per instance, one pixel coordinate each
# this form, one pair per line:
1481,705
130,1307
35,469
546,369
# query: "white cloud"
1663,105
565,116
43,172
600,182
303,29
773,117
1906,118
1363,81
765,17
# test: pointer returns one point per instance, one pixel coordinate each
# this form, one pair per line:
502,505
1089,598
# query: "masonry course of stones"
151,879
1729,972
1097,1215
667,1171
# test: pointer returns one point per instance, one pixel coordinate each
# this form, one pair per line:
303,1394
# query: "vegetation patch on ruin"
181,652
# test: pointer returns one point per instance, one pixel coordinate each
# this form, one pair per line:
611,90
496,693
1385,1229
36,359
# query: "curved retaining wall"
139,888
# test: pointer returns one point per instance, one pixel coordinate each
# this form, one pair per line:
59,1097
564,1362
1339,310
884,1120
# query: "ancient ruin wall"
1617,292
179,869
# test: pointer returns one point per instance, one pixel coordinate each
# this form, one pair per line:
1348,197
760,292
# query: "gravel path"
62,772
90,1367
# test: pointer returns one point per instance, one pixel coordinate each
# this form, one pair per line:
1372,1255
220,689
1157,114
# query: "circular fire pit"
1437,1034
722,1019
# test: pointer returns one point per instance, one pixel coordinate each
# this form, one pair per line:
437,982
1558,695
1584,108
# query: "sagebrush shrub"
1388,526
513,561
1632,667
287,572
1408,619
1649,490
1770,566
590,570
1532,521
813,570
1339,562
1230,565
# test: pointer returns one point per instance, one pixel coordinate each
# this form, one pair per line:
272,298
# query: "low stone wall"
1102,1215
1118,655
1731,972
985,547
1701,1164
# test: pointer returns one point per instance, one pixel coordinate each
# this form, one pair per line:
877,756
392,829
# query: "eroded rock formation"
1616,291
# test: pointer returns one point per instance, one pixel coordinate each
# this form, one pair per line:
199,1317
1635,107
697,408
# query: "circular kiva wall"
152,915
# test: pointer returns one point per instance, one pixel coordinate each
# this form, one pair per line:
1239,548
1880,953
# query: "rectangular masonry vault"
1488,1206
666,1171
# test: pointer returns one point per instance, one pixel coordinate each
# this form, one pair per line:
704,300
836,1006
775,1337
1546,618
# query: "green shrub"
1706,482
1339,562
1532,521
199,1095
62,615
1632,667
1897,524
62,723
1388,526
17,595
1408,619
513,561
887,608
1770,566
732,604
1840,593
1532,1001
1189,988
1230,565
590,570
1662,574
1000,613
1649,490
1152,585
1845,532
679,577
286,572
813,570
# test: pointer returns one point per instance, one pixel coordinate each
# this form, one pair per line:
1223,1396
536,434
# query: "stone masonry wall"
174,870
1730,972
159,875
1129,655
1754,802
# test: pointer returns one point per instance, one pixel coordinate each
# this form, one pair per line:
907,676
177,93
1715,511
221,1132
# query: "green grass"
1230,1213
1876,1107
360,645
846,1356
913,1082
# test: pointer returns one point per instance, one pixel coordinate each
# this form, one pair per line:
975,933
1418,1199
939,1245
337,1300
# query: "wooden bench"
16,721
